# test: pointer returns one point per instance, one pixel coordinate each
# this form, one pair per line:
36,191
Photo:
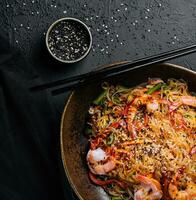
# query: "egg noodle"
142,141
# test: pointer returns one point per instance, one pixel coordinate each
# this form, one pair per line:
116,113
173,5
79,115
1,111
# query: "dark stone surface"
121,30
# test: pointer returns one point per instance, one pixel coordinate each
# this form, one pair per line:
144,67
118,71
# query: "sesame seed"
64,11
126,9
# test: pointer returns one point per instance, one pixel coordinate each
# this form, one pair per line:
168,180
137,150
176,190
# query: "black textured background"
121,30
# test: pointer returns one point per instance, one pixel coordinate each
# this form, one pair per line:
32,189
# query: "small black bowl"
68,40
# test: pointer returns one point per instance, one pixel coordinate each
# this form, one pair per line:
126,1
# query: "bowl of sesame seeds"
68,40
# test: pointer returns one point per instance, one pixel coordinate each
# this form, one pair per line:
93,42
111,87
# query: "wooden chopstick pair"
105,72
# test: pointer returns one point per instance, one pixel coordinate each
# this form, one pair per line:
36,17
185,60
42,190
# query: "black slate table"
121,30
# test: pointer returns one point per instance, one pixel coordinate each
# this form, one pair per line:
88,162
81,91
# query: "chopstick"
105,72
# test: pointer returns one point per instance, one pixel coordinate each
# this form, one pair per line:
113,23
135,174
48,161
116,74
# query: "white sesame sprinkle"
146,17
55,6
173,42
117,35
108,33
97,16
133,24
98,45
106,52
33,1
91,17
126,9
84,5
115,20
15,28
136,21
122,4
160,4
121,43
148,30
21,25
111,40
112,17
107,47
7,5
148,9
102,49
103,25
28,27
98,29
175,37
64,11
38,12
24,4
17,41
87,19
118,10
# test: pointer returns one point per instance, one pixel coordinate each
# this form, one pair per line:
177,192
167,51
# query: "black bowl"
73,143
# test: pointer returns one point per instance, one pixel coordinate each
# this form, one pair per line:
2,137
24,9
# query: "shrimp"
99,162
150,189
188,194
189,100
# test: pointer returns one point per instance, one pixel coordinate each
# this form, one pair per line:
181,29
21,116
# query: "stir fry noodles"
142,141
